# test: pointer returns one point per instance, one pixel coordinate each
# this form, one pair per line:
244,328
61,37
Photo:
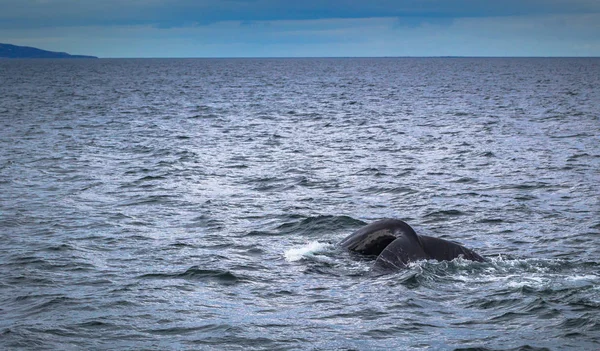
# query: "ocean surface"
166,204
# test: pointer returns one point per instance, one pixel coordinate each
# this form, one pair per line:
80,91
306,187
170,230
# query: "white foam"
298,253
589,277
532,281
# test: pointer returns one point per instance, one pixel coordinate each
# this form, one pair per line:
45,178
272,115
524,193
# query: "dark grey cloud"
163,13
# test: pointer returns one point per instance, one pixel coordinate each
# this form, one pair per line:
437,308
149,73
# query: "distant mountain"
14,51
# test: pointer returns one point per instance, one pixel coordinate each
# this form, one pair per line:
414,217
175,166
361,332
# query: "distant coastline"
14,51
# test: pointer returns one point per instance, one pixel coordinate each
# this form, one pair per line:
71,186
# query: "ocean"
197,204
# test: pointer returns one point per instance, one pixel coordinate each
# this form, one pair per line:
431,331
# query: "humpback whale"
396,244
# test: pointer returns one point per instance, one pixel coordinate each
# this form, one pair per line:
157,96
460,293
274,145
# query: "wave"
197,273
536,275
319,225
509,275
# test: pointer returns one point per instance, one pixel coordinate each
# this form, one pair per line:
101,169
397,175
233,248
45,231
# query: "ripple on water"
194,204
197,273
318,225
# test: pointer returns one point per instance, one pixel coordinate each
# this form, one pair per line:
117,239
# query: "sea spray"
307,250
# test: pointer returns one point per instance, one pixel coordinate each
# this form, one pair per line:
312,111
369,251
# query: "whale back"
396,244
444,250
374,238
399,254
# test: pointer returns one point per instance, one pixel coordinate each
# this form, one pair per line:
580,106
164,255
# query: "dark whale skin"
396,244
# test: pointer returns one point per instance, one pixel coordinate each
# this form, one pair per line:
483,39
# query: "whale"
395,244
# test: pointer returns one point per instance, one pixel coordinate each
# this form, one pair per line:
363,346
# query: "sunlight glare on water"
197,204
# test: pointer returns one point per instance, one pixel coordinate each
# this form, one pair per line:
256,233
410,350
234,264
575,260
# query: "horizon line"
294,57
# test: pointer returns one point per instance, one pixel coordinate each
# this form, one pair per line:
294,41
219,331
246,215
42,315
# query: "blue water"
196,204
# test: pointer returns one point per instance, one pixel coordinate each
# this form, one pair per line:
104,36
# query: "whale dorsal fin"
369,242
375,237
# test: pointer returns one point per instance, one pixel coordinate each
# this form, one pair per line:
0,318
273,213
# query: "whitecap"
307,250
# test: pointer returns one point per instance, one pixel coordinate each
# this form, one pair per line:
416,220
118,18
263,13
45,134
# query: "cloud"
547,35
217,28
177,13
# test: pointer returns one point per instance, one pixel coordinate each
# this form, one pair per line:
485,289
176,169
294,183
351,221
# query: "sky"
304,28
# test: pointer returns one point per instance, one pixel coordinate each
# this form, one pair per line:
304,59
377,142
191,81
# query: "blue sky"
304,28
